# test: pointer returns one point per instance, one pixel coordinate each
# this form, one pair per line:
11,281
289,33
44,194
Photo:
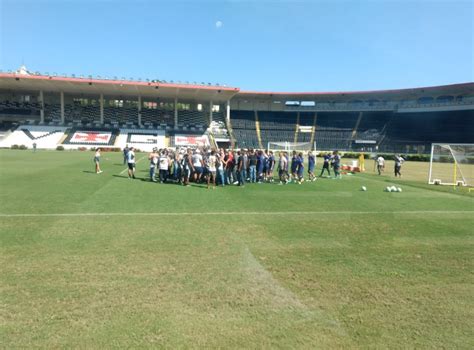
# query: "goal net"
291,146
452,164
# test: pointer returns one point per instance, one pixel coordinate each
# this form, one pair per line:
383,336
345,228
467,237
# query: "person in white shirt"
131,162
153,157
211,167
283,169
164,164
398,164
97,161
197,165
380,164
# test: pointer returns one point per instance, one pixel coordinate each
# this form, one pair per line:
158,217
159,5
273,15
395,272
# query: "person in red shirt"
229,167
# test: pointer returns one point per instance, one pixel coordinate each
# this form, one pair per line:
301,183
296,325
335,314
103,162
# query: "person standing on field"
299,168
327,158
187,166
131,163
241,167
97,161
270,166
153,157
398,165
253,159
380,164
311,164
198,164
164,163
125,153
336,164
211,168
283,169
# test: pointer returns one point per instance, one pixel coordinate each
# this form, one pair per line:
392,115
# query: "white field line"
270,213
124,170
262,284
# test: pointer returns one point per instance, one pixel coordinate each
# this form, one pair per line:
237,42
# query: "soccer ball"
364,188
399,189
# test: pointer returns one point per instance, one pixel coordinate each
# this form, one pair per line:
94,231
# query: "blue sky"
261,45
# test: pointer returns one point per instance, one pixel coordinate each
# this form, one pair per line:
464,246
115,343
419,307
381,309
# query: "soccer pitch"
100,261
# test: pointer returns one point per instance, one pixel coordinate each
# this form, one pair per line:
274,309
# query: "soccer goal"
452,164
291,146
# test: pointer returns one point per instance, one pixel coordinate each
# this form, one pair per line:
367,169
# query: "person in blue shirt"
311,164
125,154
300,168
336,164
270,166
260,166
327,158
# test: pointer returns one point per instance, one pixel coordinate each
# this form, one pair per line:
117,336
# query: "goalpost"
452,164
291,146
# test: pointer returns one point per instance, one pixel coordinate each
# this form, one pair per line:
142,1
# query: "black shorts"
131,166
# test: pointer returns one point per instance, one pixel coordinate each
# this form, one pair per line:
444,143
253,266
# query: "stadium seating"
306,120
422,129
157,117
243,126
386,125
20,109
196,118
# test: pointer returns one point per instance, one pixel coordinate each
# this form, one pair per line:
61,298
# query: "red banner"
91,137
191,140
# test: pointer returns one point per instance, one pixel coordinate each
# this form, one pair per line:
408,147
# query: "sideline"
339,212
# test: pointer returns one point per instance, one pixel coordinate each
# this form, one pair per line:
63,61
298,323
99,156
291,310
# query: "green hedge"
22,147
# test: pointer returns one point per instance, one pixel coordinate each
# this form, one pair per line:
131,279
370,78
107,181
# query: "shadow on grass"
88,171
125,177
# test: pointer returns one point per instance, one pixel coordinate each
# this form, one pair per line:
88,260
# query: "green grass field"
101,261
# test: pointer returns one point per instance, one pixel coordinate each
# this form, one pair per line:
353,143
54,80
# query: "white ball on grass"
388,189
364,188
399,189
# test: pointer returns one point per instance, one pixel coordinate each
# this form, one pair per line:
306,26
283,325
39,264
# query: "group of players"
225,167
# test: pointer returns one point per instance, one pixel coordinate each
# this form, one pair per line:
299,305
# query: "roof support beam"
101,101
139,111
227,112
41,98
61,94
175,112
210,112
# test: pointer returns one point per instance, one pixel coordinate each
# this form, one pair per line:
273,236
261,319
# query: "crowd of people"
221,167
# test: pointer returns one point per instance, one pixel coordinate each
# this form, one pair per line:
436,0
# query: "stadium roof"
159,89
97,86
453,89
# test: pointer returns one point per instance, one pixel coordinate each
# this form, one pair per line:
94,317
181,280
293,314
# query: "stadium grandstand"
71,111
